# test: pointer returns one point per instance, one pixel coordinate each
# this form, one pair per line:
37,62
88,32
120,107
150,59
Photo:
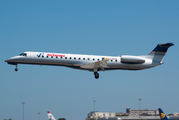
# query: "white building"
176,114
129,112
145,112
101,114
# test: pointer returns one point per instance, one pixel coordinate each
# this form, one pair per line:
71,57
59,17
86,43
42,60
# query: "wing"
96,65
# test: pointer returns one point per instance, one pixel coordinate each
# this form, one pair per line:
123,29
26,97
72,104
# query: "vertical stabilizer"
50,116
159,52
162,115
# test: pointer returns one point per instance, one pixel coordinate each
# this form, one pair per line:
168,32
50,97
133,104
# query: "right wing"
96,65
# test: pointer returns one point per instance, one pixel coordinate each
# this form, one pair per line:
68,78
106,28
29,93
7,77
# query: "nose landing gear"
96,75
16,69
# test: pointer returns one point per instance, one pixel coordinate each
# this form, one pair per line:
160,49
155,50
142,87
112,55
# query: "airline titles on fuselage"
60,55
49,54
56,55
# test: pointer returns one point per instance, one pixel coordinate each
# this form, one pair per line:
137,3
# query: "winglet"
162,115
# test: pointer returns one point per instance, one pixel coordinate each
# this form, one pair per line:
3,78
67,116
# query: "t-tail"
159,52
50,116
162,115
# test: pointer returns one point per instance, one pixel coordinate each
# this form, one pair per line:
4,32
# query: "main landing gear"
96,75
16,68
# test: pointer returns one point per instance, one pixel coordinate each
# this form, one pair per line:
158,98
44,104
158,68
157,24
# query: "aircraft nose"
12,59
8,60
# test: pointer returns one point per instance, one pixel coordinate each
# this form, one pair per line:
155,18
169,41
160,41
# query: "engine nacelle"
126,59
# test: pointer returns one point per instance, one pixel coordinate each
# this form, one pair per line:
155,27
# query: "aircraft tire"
96,75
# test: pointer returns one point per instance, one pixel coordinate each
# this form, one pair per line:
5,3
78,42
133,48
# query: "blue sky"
95,27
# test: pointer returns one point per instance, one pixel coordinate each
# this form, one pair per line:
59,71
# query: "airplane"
162,115
50,116
93,63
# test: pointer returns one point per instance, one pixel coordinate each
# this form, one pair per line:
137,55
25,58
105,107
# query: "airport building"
101,114
129,115
129,112
175,114
145,112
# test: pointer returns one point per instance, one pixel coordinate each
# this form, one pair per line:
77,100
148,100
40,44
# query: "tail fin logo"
162,115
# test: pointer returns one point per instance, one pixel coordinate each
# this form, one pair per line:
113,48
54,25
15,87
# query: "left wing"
96,65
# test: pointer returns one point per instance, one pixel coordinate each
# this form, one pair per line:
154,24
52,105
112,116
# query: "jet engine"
126,59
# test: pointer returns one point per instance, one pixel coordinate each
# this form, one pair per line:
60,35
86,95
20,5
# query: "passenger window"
75,58
79,58
42,56
47,56
70,57
98,59
56,56
116,60
61,57
88,59
111,60
51,56
65,57
93,59
83,58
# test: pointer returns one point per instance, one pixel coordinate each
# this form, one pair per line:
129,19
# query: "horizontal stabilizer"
162,48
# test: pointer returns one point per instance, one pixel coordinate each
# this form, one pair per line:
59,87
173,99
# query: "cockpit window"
23,54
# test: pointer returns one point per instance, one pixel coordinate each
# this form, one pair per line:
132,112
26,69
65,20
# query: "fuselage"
77,60
93,63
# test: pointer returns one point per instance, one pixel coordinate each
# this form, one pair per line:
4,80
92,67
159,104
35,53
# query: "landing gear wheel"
96,75
16,69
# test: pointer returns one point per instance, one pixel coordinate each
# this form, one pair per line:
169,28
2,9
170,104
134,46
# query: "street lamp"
94,104
139,107
23,109
39,115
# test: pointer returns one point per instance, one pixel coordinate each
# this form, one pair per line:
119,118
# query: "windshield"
23,54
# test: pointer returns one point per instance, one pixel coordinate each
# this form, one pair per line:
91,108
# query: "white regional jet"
93,63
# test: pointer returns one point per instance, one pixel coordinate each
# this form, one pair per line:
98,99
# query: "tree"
61,119
89,118
170,114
